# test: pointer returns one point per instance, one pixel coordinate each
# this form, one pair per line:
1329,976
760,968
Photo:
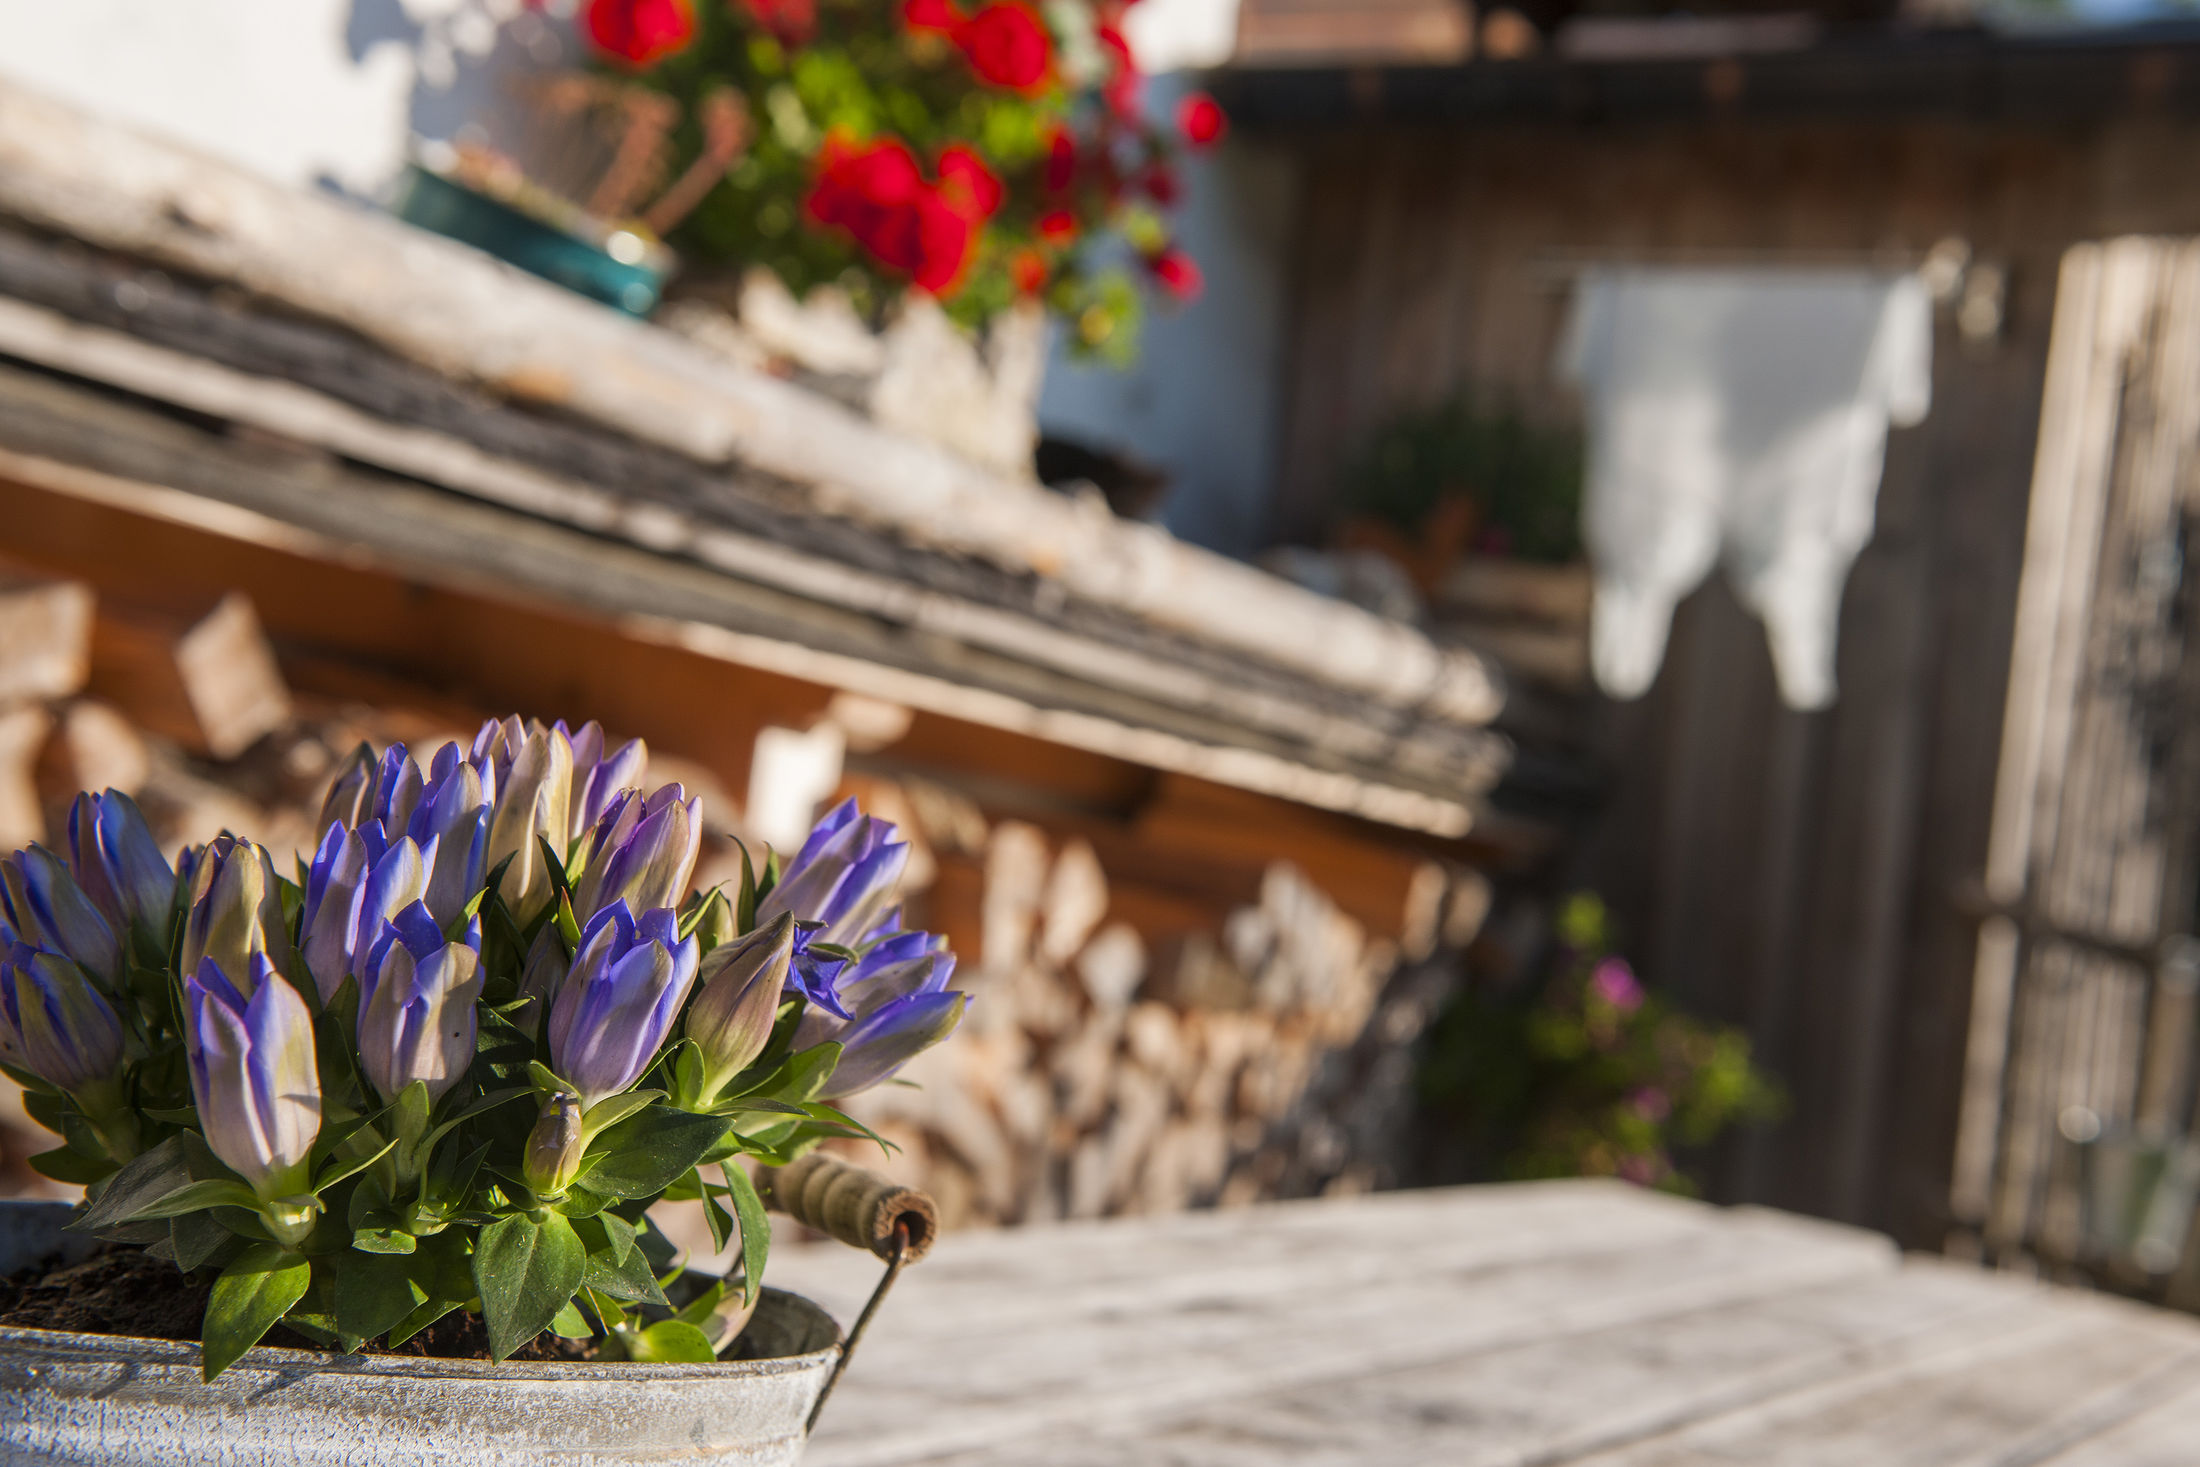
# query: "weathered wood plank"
2167,1435
1058,1330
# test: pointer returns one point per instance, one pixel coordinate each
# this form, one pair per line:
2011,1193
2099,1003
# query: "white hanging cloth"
1743,412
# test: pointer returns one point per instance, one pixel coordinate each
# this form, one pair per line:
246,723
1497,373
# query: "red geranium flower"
1201,119
938,16
1122,87
877,193
1061,168
1058,226
1008,45
1029,272
640,32
791,22
1162,186
1178,273
967,185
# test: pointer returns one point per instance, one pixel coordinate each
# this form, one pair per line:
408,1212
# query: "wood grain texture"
1551,1323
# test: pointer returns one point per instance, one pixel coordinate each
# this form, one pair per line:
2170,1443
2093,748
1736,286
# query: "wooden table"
1573,1322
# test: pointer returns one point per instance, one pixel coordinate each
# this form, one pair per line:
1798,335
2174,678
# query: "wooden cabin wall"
1799,874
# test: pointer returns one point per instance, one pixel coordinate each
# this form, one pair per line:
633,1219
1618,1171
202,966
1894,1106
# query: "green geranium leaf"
649,1152
256,1290
526,1272
671,1341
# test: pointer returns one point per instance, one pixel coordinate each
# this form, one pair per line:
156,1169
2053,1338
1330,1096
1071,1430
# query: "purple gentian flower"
54,1023
897,1006
528,771
416,1005
356,884
627,984
119,866
253,1073
600,774
843,877
641,852
741,984
43,906
450,825
236,909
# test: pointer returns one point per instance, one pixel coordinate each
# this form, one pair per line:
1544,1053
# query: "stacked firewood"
1095,1075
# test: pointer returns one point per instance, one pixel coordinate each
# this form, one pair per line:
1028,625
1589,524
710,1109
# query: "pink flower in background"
791,22
1640,1170
1651,1103
1615,983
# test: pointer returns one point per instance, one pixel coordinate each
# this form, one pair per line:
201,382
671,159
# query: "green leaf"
628,1279
719,1220
336,1171
196,1238
671,1341
612,1109
182,1115
526,1272
744,906
386,1240
65,1165
571,1324
413,1323
556,863
150,1176
374,1294
547,1081
848,1125
799,1080
756,1229
256,1290
197,1197
699,1308
618,1234
646,1154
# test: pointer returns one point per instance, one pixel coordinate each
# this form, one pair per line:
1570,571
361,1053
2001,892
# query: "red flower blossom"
1124,83
640,32
1162,186
1007,44
1178,273
1058,226
791,22
967,186
1029,272
932,16
1061,166
877,193
1201,119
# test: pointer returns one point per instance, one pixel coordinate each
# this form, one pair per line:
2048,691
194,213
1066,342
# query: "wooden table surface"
1569,1322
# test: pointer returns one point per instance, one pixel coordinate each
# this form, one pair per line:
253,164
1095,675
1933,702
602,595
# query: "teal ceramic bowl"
450,208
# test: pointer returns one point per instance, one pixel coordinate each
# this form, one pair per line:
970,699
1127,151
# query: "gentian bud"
844,877
898,1005
742,982
118,865
253,1074
600,774
554,1146
628,982
416,1009
42,904
54,1023
236,909
530,773
397,786
642,853
351,794
450,824
325,923
542,977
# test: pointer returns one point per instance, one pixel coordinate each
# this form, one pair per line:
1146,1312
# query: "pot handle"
854,1205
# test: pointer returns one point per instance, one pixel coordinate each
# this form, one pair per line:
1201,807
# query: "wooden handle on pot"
856,1206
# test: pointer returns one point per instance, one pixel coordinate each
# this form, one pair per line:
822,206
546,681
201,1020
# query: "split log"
95,748
1075,901
22,818
1112,966
212,686
45,639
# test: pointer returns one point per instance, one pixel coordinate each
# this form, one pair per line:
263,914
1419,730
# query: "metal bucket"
118,1401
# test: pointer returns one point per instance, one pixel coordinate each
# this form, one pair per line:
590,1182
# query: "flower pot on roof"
422,1099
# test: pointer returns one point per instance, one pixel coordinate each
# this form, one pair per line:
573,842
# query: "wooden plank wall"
1802,875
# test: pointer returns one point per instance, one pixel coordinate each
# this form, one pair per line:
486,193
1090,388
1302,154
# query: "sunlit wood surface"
1575,1322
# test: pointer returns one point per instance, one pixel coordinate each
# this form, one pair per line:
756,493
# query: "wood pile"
1098,1074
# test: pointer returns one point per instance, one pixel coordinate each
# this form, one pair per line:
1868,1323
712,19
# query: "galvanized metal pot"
118,1402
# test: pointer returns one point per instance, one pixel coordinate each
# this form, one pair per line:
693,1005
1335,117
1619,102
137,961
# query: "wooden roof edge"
477,320
2050,77
62,438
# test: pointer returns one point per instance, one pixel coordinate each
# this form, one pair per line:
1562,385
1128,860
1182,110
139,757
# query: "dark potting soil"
123,1291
